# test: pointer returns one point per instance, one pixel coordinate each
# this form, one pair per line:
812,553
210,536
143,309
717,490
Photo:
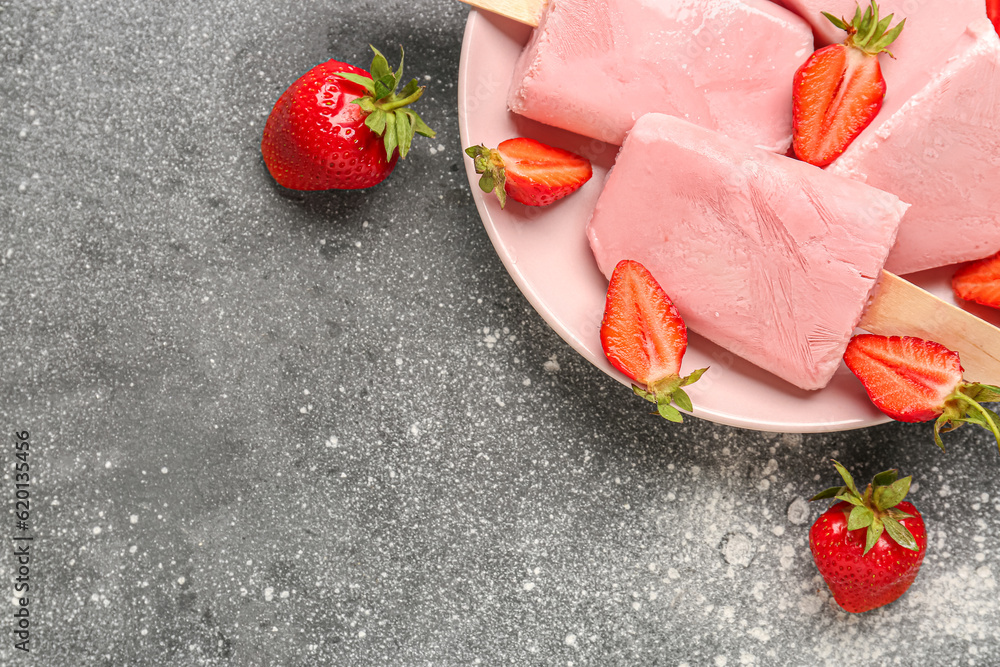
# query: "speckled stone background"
326,429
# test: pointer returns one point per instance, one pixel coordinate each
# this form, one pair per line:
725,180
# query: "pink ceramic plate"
546,252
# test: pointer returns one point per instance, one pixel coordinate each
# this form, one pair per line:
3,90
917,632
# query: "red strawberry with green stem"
339,127
869,546
916,380
979,281
529,171
645,338
839,90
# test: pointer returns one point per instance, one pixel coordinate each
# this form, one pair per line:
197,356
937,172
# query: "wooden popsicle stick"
900,308
522,11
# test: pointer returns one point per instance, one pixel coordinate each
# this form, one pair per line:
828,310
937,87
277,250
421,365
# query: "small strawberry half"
529,171
916,380
869,546
839,90
645,338
979,282
339,127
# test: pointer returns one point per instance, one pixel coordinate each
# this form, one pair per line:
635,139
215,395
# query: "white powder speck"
268,594
529,585
181,580
97,530
798,511
164,470
133,518
570,639
552,365
738,549
132,549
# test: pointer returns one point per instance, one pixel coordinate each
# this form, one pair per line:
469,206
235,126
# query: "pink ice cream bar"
594,66
930,24
939,152
769,257
931,30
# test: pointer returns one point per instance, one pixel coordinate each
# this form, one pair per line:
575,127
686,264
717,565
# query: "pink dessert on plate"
938,151
769,257
593,66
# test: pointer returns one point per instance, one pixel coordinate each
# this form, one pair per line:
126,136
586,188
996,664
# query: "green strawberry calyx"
867,32
489,163
669,390
875,508
963,407
388,114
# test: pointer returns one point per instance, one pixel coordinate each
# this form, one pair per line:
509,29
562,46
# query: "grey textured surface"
326,429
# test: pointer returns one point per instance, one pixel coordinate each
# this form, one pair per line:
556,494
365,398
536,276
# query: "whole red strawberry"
529,171
339,127
979,281
645,338
839,90
868,547
916,380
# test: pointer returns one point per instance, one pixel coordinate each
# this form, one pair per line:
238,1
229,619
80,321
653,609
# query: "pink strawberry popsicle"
594,66
771,258
938,151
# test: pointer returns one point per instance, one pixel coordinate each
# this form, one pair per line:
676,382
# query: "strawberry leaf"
894,494
840,23
380,66
359,79
900,534
846,476
860,517
693,377
399,72
852,498
404,133
410,88
384,86
376,121
420,127
983,393
367,104
832,492
390,138
874,532
937,433
682,400
669,412
886,478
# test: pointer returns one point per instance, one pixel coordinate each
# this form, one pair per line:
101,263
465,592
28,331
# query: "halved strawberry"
839,90
645,338
531,172
979,281
916,380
